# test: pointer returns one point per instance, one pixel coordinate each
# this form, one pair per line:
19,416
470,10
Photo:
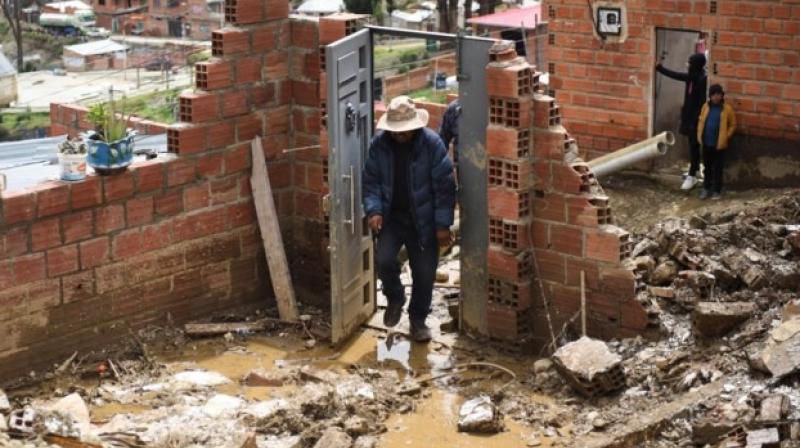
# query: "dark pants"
713,164
694,153
399,231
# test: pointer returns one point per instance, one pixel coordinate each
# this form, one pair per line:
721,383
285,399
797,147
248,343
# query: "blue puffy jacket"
430,178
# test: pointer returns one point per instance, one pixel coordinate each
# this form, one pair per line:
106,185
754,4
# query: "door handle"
352,221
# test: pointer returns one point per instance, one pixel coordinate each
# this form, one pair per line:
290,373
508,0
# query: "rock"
222,404
709,431
366,442
542,365
697,222
784,276
724,277
774,408
5,405
764,438
265,378
356,426
480,415
794,241
780,359
754,278
712,319
791,310
442,276
664,273
201,378
334,437
3,425
700,282
785,330
645,246
663,292
73,406
644,263
589,366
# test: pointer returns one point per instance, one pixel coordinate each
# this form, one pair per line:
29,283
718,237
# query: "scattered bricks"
52,199
232,104
198,107
508,266
754,278
62,260
515,295
186,139
45,234
110,218
510,113
29,268
249,70
590,367
714,319
566,239
608,243
149,176
542,107
180,171
508,143
337,26
93,252
78,226
508,82
87,193
139,211
515,175
213,75
119,186
229,41
664,292
509,204
506,323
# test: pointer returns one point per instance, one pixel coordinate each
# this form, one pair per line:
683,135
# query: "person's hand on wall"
445,237
375,223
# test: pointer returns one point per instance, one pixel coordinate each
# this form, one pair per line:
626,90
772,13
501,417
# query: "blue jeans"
397,232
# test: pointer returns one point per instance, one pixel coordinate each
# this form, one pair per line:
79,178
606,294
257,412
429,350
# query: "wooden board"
222,328
271,235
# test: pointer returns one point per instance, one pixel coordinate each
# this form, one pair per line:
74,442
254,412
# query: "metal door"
349,110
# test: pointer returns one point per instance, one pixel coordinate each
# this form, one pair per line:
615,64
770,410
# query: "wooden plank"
271,235
222,328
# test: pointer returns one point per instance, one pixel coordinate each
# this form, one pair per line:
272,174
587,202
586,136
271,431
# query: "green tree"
359,6
12,10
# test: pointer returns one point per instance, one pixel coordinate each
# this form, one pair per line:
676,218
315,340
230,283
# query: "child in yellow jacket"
715,128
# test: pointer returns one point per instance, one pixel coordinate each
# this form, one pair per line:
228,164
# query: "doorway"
349,108
673,48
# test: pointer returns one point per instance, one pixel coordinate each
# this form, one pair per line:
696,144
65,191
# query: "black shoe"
419,331
392,314
704,194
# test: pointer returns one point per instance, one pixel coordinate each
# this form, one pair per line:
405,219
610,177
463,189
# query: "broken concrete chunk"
782,358
5,405
664,273
644,263
264,378
791,310
774,408
709,431
663,292
334,437
222,404
764,438
542,365
366,442
794,241
754,278
724,277
200,378
785,276
356,426
697,222
785,330
645,246
72,408
590,367
700,282
712,319
480,415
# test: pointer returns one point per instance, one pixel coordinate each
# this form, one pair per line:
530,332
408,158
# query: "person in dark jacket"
694,97
715,128
409,196
448,131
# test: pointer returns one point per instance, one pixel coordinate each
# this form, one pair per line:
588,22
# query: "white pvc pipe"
633,154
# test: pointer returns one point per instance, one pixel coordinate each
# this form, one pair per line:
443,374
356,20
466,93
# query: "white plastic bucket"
73,166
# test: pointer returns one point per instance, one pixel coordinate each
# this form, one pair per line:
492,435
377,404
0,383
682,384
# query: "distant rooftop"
321,6
416,16
528,17
96,47
69,4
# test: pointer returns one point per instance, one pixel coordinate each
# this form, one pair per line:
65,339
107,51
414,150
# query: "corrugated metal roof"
416,16
96,47
6,67
527,17
321,6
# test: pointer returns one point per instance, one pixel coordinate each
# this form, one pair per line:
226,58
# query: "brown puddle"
104,412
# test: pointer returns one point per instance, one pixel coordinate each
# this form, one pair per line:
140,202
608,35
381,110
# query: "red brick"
335,27
603,244
18,207
279,175
276,67
196,225
237,159
306,93
213,74
245,190
139,211
564,300
14,242
265,38
119,186
149,176
209,165
195,196
308,205
278,120
6,276
230,41
45,234
513,267
29,268
87,193
508,82
186,139
180,171
508,143
94,252
53,199
126,244
552,265
276,9
109,218
233,104
248,127
248,70
169,203
199,107
304,34
78,226
241,214
62,260
633,315
509,204
224,190
551,207
590,269
221,134
567,240
78,286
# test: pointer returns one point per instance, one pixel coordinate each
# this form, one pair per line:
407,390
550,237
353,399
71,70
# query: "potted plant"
111,144
72,158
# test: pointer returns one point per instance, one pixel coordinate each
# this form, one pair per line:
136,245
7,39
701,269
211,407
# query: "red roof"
527,17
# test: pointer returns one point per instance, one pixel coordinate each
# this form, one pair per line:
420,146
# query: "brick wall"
548,220
83,263
71,119
606,89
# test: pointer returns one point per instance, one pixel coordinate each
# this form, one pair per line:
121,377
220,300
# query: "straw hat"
403,116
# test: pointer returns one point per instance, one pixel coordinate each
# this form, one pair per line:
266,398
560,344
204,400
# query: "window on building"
101,2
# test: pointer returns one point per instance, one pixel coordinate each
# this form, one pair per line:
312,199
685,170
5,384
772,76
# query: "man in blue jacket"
409,195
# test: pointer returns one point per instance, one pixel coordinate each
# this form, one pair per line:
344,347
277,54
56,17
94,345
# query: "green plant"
72,147
109,125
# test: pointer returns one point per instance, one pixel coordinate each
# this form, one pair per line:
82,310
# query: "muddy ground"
281,388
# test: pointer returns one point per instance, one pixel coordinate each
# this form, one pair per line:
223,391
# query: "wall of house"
606,88
8,87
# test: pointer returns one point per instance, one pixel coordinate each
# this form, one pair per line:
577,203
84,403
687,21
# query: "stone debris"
220,405
713,319
774,408
764,438
590,367
5,405
480,415
266,378
201,379
663,292
542,365
334,437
